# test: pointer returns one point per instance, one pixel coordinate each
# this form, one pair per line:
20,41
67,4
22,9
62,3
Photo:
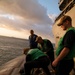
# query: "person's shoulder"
33,50
35,35
45,39
48,40
71,32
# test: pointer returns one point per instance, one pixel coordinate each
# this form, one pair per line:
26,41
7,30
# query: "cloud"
29,9
23,15
32,12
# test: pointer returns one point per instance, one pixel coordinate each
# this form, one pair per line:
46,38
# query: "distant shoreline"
13,37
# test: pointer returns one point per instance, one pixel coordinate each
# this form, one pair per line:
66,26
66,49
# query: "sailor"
66,48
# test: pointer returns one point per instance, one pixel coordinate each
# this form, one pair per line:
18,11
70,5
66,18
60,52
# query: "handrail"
66,9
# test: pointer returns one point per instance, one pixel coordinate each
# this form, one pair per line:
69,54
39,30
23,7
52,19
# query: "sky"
18,17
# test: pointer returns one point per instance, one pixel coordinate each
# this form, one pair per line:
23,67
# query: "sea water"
11,48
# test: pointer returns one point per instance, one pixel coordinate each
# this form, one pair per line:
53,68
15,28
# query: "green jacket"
47,46
35,53
71,54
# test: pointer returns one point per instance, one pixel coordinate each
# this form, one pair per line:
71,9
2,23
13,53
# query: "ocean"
11,48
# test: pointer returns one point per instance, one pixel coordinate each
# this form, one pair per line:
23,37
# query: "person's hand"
45,52
54,63
25,50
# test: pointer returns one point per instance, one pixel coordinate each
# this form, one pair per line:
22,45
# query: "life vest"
36,53
44,47
71,54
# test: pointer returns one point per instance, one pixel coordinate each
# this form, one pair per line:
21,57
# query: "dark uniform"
47,47
36,59
33,43
67,63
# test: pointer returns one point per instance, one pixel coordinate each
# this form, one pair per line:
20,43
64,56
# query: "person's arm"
39,46
28,57
50,45
63,53
69,40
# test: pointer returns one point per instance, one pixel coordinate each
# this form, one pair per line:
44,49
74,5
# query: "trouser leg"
27,68
39,63
46,70
51,57
64,67
31,64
